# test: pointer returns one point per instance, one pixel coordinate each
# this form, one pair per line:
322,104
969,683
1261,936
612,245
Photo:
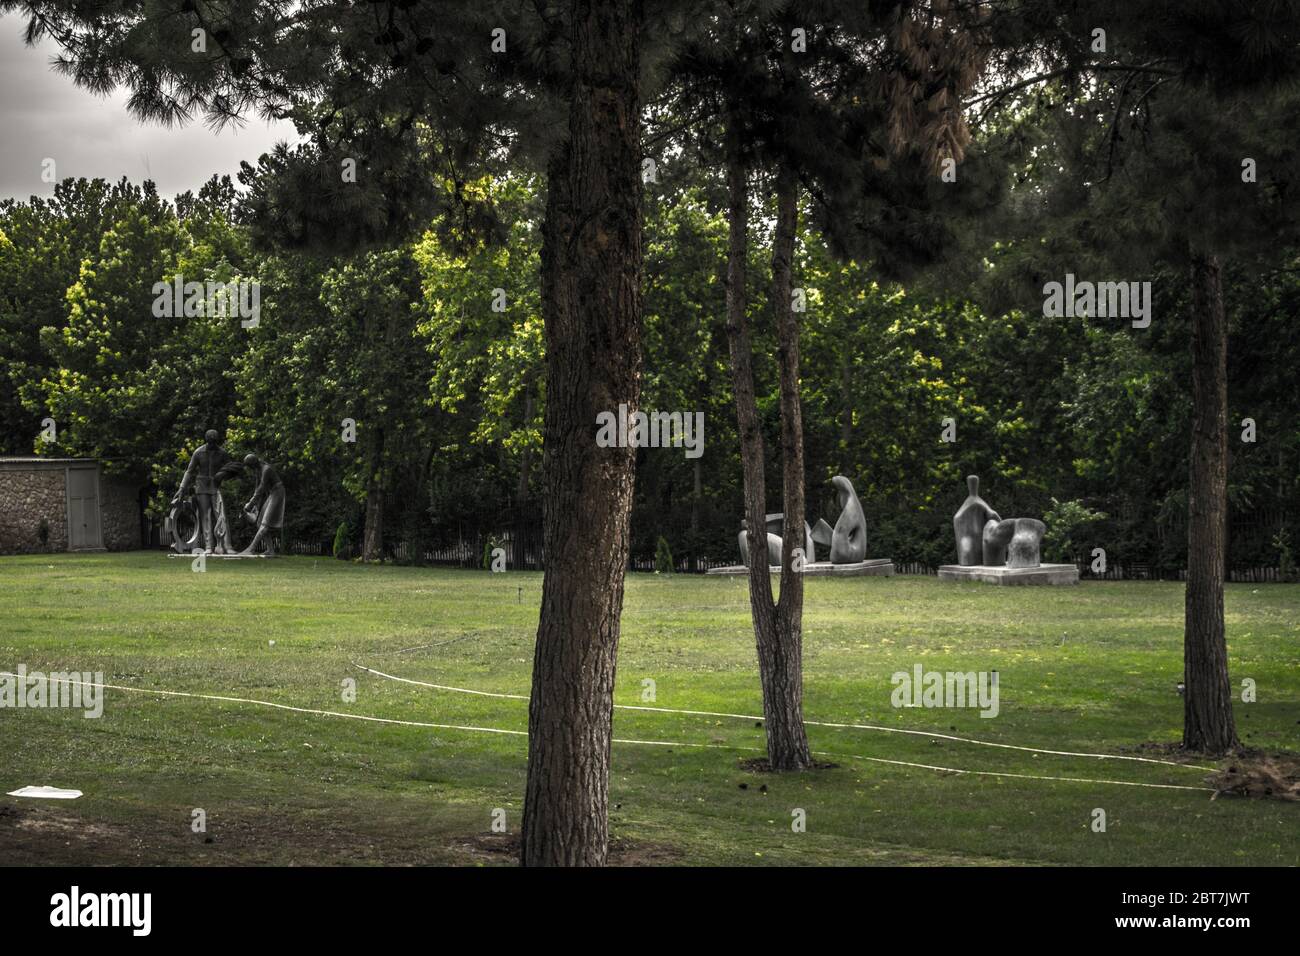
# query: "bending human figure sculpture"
969,523
270,516
209,466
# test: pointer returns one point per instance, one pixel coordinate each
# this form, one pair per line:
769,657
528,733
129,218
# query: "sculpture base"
1000,574
222,557
875,567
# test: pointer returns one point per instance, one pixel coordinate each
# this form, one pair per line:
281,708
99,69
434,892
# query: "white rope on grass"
812,723
334,713
617,740
1019,776
268,703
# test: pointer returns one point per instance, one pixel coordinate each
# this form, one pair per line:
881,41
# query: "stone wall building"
67,504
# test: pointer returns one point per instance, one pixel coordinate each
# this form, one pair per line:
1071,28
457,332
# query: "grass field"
1091,668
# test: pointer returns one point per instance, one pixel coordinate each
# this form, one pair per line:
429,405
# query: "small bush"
663,557
342,550
1068,523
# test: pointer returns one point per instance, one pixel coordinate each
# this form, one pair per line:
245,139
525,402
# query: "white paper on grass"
46,793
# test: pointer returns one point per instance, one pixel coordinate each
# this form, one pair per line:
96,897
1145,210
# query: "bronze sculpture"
197,522
999,550
270,515
209,466
849,537
969,523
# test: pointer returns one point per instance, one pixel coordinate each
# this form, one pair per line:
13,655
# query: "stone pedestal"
236,556
875,567
1000,574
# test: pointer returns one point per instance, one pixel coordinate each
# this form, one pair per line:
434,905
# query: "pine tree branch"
1000,94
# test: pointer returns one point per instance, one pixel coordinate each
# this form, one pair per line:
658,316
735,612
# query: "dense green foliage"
441,377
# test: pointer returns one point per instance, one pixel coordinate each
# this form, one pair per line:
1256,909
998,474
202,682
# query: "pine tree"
468,87
1156,148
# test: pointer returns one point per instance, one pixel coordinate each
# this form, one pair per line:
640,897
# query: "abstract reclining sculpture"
1000,550
847,541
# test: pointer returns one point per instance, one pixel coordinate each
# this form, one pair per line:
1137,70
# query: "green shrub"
341,549
1068,524
663,557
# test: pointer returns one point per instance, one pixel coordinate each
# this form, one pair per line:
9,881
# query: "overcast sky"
43,115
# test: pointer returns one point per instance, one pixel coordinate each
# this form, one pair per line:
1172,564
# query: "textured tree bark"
372,537
846,411
522,523
372,542
779,648
787,741
591,287
1208,724
697,492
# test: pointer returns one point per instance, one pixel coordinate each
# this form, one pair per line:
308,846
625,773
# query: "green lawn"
1091,668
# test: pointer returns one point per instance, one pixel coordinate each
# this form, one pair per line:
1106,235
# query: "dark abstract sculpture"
208,467
847,541
1013,542
270,516
775,529
1024,549
997,535
773,546
1009,548
776,526
849,538
969,523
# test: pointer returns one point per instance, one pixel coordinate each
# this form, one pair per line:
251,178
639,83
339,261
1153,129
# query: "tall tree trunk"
780,670
523,520
372,542
591,288
787,742
846,411
697,492
372,538
1208,724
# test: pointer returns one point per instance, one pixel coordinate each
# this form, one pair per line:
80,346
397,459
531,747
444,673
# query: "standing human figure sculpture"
209,465
270,515
969,522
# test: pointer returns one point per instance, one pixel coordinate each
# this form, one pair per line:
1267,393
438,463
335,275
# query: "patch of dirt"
243,836
503,848
1165,751
1263,776
761,765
